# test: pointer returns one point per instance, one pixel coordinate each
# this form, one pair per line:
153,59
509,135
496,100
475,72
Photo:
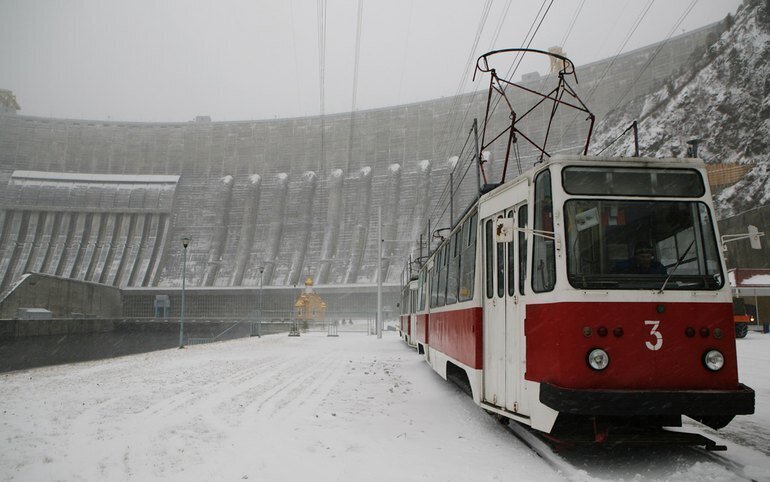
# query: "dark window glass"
443,255
468,260
522,249
434,282
500,269
621,244
489,243
421,289
543,256
472,230
629,181
454,268
511,264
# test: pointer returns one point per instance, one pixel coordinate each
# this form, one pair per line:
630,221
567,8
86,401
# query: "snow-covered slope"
721,97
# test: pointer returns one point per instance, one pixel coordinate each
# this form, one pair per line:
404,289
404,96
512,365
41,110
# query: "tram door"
503,309
516,281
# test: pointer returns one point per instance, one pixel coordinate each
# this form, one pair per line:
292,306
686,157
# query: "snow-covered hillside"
721,97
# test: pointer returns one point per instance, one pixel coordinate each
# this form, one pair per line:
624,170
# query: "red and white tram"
585,291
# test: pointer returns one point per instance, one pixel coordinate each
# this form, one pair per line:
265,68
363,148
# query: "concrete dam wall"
263,203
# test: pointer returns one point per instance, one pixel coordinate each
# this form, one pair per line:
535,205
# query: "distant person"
643,262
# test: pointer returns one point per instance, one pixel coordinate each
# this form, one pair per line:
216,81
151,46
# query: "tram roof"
672,162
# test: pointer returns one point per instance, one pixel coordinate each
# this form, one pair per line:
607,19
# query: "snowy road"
308,408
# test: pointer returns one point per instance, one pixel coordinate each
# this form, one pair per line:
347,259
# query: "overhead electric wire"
296,62
638,76
657,51
499,27
451,118
472,65
357,54
572,24
450,190
526,43
563,43
636,24
512,70
321,13
615,139
640,17
520,55
356,63
406,49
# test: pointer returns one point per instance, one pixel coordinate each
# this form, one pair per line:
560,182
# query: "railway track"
563,466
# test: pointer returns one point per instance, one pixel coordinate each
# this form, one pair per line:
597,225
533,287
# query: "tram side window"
511,264
454,268
500,268
443,255
468,259
421,290
543,256
522,248
488,262
434,283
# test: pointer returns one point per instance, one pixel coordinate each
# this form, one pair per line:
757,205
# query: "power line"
355,79
321,12
406,47
657,51
357,53
640,17
294,49
572,24
635,25
660,47
499,27
528,39
452,116
520,55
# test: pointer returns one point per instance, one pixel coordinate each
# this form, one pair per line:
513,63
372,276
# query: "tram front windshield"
621,244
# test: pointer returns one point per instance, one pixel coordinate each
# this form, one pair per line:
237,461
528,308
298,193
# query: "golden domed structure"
309,305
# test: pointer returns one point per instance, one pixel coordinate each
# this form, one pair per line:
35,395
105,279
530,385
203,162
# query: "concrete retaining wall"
64,298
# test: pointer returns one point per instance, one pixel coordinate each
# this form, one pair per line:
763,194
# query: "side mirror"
754,235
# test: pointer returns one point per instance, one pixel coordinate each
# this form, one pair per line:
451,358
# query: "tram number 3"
654,333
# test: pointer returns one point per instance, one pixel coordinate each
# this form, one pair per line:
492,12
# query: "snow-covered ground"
350,408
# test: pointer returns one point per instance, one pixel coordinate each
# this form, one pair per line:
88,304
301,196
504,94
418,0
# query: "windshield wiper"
678,262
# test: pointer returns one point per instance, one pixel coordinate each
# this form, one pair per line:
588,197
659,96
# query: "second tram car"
587,292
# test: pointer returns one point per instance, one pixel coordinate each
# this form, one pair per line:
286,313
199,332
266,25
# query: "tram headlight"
598,359
714,360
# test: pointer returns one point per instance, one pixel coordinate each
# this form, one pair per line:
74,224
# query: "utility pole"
185,243
379,271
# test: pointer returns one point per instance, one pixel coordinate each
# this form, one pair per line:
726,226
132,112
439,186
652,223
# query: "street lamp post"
185,243
379,272
259,313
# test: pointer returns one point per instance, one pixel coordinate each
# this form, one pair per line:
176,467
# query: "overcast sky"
150,60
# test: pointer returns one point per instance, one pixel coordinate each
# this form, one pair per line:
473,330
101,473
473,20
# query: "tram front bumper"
629,403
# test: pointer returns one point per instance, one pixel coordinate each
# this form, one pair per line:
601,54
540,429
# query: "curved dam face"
108,202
